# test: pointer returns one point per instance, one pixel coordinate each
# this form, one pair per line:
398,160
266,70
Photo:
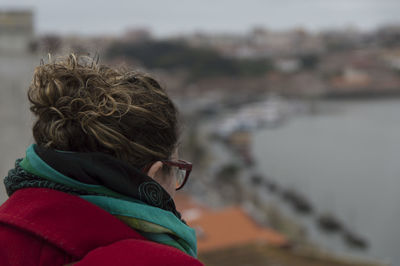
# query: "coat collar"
66,221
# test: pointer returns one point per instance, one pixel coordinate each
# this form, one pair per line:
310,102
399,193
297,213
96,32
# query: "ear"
155,170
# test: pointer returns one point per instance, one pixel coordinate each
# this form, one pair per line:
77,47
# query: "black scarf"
96,169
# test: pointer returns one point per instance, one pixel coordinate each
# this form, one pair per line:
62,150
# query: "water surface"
347,161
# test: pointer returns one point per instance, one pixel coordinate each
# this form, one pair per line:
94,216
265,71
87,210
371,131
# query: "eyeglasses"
183,169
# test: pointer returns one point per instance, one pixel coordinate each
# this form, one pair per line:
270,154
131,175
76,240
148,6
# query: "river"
346,160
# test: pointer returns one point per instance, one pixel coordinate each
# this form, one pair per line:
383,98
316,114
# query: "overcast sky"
165,17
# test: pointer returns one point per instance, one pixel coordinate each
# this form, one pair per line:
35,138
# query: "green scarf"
154,223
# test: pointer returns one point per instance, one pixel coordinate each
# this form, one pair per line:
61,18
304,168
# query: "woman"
97,187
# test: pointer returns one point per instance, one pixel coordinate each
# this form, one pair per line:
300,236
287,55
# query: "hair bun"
81,106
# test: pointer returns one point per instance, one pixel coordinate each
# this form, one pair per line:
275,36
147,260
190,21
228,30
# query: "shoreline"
284,221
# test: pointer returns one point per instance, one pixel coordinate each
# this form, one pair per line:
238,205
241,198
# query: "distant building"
226,228
16,31
260,43
287,65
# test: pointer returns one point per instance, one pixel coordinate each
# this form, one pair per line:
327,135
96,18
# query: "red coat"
46,227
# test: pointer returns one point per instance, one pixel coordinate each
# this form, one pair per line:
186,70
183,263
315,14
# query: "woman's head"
84,107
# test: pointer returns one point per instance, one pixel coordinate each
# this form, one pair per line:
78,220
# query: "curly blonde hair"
86,107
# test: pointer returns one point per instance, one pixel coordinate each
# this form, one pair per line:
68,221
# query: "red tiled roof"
225,228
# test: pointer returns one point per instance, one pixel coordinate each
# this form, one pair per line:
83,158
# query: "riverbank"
228,177
262,255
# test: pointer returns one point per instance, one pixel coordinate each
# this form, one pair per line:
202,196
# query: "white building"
16,31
